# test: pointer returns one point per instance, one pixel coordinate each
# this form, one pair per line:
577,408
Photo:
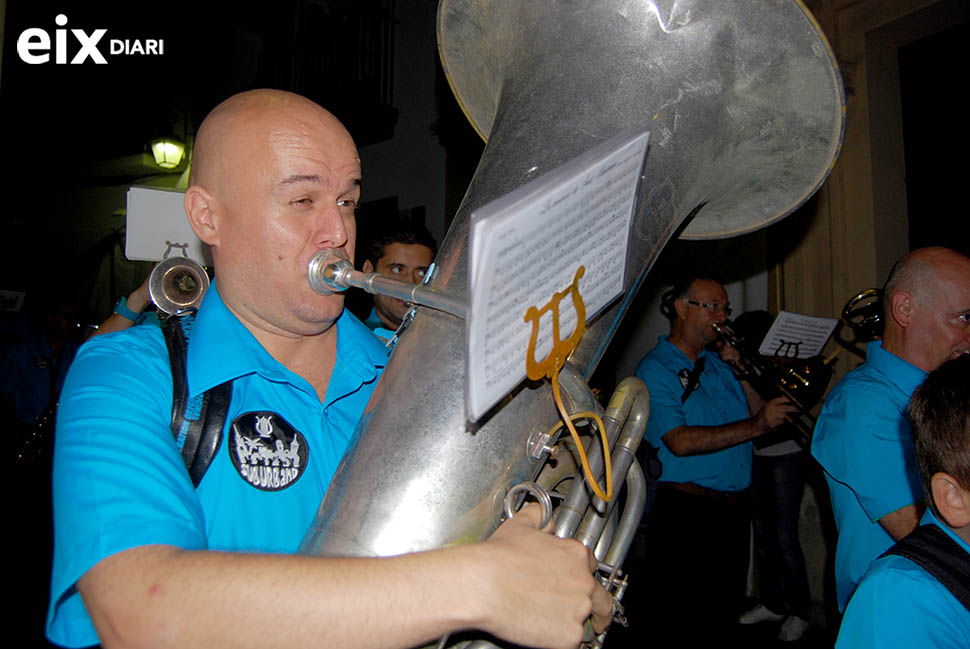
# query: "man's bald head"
234,128
927,307
918,272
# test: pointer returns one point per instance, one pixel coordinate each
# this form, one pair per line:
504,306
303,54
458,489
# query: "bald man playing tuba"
144,558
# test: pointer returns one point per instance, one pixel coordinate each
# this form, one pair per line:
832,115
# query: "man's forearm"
165,597
697,440
161,596
903,521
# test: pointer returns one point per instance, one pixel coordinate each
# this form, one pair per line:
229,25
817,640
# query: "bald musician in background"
702,419
144,559
863,439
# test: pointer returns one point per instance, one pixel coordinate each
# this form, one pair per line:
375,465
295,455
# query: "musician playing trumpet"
702,420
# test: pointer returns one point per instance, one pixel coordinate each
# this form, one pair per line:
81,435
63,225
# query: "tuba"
746,108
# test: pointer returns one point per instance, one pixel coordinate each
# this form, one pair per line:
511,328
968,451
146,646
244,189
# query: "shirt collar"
223,349
674,351
905,375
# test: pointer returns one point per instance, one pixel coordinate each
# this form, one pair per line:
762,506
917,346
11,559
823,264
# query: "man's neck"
312,357
691,350
963,533
894,341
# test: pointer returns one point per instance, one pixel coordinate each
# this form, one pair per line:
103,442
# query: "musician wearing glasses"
862,438
702,420
143,557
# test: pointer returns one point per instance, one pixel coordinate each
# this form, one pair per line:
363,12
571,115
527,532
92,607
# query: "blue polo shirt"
718,400
864,442
899,604
373,322
120,482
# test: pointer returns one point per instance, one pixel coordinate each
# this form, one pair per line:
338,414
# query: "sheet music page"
527,245
797,336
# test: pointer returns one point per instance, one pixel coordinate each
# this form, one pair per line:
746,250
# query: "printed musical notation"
527,245
796,335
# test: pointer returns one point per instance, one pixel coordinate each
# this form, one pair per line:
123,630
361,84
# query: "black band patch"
267,451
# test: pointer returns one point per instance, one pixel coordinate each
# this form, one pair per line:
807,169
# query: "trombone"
801,380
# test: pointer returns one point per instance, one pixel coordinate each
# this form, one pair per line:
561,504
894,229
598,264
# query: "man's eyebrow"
300,178
310,178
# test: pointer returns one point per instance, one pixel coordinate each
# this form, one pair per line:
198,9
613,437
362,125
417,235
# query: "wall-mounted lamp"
168,151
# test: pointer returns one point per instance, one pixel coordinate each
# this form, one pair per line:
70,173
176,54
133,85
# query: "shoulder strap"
197,423
932,549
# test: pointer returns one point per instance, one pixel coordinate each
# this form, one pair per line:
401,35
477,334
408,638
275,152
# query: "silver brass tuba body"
746,109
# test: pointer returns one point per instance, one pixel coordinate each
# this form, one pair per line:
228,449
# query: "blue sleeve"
899,605
863,441
119,481
666,409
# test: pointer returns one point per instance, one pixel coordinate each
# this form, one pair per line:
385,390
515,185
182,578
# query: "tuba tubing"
623,458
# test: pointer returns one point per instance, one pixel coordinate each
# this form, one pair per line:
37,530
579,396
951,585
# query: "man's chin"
387,323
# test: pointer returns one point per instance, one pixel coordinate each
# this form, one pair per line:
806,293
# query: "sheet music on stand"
527,245
796,335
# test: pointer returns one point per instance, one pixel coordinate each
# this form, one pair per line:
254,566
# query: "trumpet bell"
177,284
863,315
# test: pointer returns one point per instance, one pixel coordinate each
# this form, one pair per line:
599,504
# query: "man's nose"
330,228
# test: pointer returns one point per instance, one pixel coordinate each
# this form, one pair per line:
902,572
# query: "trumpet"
863,315
801,380
177,284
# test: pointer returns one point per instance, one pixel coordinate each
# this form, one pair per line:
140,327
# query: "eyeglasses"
711,307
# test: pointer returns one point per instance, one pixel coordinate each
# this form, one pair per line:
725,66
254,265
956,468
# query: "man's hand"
729,354
540,589
772,414
141,296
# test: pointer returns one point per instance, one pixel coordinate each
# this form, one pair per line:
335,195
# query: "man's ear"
680,307
367,267
901,307
200,208
952,500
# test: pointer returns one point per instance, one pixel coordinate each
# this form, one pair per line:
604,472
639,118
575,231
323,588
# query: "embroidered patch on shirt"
683,375
267,451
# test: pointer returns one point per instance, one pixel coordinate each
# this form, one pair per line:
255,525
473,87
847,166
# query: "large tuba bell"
746,109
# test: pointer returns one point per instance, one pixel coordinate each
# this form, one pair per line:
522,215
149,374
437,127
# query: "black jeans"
777,485
697,558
